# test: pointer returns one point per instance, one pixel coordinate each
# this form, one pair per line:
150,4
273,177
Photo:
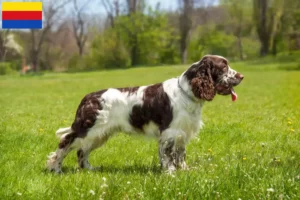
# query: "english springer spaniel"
169,111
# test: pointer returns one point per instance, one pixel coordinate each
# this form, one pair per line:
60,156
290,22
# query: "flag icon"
22,15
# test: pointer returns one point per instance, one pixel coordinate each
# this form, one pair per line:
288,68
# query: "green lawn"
249,149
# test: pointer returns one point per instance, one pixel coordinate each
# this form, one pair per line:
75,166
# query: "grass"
248,149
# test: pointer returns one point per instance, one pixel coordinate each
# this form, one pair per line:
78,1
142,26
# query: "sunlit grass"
248,149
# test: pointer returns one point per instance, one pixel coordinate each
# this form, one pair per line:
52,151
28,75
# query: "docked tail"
63,131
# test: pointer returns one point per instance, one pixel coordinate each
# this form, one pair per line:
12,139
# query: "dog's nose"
239,76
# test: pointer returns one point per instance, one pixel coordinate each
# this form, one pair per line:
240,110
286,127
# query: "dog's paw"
88,167
184,166
52,164
171,169
56,171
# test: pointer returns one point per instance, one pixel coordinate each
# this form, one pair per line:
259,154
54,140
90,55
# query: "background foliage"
133,33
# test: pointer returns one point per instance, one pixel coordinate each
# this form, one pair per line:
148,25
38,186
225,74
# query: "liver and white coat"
169,111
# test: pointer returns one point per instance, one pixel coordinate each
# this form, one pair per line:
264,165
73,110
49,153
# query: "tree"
186,18
290,24
38,37
277,12
185,26
132,8
262,26
239,20
112,9
80,25
267,16
3,49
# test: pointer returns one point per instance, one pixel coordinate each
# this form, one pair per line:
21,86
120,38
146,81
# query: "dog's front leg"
180,152
166,155
172,150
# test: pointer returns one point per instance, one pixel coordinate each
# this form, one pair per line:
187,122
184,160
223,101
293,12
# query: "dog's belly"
117,125
115,116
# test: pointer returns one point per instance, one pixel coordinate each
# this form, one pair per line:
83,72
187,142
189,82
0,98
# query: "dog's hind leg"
67,143
87,113
89,145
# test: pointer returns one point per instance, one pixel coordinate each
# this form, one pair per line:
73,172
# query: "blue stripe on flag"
22,24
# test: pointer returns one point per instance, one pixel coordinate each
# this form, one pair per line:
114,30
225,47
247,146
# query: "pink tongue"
233,95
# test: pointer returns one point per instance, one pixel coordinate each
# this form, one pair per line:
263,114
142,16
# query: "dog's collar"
184,92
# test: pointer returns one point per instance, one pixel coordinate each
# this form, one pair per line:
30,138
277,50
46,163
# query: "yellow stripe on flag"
22,6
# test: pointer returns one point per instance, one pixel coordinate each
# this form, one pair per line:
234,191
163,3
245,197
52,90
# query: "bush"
209,40
6,68
76,63
250,48
170,55
107,52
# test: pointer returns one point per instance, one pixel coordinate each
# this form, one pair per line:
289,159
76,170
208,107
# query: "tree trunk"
80,45
185,25
183,51
117,13
240,47
183,42
132,5
264,47
80,51
3,50
134,51
35,61
262,28
274,46
132,8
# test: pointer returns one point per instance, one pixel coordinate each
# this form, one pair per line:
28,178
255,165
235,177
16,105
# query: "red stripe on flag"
21,15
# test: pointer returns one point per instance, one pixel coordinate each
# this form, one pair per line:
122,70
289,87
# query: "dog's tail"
60,133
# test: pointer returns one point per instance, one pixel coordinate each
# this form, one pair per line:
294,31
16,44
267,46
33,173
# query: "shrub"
76,63
6,68
209,40
107,52
250,47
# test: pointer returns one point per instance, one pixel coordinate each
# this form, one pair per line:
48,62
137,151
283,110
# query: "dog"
169,111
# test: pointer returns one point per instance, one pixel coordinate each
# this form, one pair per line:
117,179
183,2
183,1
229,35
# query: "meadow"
248,149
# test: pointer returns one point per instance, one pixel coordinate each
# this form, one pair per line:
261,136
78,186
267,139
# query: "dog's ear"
203,86
218,65
201,82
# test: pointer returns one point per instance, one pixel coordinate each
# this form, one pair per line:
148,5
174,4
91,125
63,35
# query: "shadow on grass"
290,67
32,74
284,57
131,169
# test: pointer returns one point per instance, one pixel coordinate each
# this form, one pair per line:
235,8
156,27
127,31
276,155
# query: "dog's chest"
188,120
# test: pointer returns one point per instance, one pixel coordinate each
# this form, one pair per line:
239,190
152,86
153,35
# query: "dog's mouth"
233,95
226,90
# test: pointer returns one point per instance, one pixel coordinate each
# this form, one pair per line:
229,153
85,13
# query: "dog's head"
212,75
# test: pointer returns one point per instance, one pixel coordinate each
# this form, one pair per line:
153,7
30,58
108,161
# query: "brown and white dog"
169,111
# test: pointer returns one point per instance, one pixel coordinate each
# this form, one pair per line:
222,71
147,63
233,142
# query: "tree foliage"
132,33
151,35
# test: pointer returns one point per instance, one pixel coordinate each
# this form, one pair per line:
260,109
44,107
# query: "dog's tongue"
233,95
